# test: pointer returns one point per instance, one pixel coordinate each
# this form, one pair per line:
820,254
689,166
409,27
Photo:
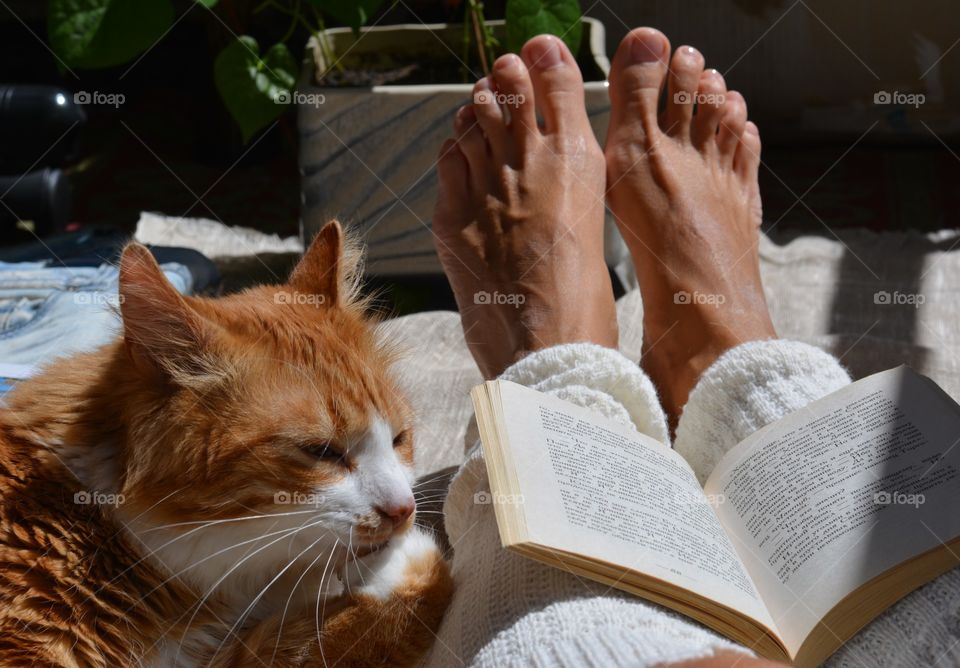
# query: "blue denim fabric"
48,312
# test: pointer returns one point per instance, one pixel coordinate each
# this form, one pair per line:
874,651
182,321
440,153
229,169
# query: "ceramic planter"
367,155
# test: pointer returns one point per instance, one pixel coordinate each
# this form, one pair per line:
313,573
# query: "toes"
453,193
472,144
490,116
683,82
733,120
746,161
515,95
636,79
557,84
449,220
710,97
452,172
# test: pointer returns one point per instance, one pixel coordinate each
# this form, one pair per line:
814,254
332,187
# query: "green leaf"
256,90
353,13
92,34
529,18
208,3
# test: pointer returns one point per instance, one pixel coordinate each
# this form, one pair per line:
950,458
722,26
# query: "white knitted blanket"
872,301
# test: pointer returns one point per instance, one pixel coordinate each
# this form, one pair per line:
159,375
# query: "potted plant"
373,103
368,151
251,80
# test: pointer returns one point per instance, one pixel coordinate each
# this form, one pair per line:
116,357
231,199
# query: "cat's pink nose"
397,513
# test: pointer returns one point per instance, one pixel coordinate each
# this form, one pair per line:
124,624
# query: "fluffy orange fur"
362,631
201,411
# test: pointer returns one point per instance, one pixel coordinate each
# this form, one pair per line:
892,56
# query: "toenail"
545,54
689,52
647,47
508,61
466,114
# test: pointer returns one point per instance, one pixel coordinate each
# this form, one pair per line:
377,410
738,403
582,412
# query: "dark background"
172,147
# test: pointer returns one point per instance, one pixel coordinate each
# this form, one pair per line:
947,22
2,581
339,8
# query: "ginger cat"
227,484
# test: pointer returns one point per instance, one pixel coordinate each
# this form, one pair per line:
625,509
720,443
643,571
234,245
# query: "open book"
802,534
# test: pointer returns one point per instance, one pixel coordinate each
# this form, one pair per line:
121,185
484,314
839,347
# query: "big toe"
557,84
636,79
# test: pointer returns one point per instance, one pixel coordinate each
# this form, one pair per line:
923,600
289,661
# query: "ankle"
678,360
589,317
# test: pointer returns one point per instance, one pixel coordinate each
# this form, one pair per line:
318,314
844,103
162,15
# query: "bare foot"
683,187
518,222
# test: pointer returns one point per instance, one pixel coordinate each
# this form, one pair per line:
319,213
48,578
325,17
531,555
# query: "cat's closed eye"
324,451
401,438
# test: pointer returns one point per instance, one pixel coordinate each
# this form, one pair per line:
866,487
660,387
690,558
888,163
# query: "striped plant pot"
367,155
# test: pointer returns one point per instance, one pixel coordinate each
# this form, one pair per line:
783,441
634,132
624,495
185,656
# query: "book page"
595,487
827,498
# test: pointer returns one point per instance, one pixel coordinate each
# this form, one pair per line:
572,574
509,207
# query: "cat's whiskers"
320,595
292,537
256,599
199,605
230,519
290,532
293,589
430,492
126,525
219,581
429,495
179,573
176,491
433,478
351,556
152,552
349,553
285,533
358,565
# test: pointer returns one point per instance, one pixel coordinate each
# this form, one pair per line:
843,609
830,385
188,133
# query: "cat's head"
264,411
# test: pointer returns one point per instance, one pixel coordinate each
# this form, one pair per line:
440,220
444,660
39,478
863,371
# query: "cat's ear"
320,270
160,328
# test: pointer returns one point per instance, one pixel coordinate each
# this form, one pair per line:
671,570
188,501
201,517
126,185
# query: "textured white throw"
511,611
